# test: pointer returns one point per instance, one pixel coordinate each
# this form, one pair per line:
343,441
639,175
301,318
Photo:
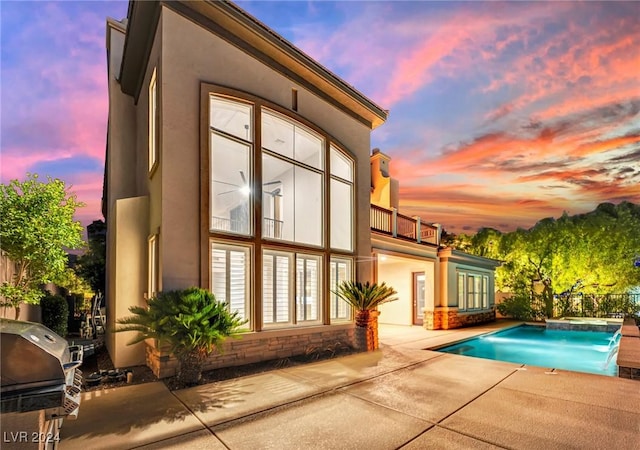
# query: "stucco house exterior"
439,287
236,163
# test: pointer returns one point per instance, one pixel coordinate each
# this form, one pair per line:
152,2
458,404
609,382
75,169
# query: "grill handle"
77,354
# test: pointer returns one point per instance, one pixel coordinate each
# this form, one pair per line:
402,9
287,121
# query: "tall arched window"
302,185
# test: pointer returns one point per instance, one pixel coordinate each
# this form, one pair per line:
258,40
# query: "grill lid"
31,356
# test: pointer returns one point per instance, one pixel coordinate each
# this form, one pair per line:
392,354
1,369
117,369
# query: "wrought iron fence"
596,305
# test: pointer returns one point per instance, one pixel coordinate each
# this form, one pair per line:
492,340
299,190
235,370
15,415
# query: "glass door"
418,297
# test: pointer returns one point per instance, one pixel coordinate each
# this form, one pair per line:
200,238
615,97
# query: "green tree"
191,322
91,265
74,283
588,253
55,313
36,227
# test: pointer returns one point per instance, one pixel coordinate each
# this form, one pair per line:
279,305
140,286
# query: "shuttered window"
341,270
307,288
276,287
230,276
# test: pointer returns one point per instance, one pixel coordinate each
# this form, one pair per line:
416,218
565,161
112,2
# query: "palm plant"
191,322
365,298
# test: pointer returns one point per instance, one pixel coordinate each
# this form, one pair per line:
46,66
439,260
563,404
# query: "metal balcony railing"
272,228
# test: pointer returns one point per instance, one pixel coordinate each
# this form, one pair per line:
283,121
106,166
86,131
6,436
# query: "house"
237,163
438,287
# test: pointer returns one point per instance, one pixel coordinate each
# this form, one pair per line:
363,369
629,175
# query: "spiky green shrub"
55,313
191,322
365,297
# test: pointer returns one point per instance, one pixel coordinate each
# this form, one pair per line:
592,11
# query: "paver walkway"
398,397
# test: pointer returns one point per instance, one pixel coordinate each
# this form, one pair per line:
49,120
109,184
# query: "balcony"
392,223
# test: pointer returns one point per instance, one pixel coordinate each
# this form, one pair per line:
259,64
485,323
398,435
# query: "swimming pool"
580,351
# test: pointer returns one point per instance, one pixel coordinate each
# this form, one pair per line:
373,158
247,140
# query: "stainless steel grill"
39,370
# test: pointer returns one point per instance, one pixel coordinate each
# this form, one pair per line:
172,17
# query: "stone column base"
366,337
449,318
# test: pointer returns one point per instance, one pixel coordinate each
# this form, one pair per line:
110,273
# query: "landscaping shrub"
520,307
55,313
191,322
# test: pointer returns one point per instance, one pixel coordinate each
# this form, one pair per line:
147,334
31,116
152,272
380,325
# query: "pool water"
580,351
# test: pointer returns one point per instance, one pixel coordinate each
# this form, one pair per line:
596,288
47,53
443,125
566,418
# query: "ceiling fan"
244,187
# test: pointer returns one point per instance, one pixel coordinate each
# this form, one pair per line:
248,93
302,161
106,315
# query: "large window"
473,291
230,166
261,160
340,270
153,122
292,175
230,276
290,288
341,200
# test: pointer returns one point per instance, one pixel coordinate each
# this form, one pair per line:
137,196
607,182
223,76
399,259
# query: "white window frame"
462,293
485,292
153,122
474,295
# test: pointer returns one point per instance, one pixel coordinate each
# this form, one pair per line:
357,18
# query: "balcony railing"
391,222
272,228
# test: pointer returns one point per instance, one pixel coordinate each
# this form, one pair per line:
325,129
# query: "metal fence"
596,305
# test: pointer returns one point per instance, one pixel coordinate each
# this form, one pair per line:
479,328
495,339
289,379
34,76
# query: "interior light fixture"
245,190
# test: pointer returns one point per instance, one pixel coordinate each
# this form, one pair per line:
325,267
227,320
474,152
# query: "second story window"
231,144
341,200
292,176
153,121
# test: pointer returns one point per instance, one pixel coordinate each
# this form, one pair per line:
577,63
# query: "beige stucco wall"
121,155
123,267
449,270
128,266
192,55
385,192
150,183
398,272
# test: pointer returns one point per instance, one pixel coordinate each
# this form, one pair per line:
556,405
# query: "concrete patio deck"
398,397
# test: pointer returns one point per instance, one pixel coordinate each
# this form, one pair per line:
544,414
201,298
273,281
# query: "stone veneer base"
258,347
449,318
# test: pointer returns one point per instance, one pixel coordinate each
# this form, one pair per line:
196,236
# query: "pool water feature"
580,351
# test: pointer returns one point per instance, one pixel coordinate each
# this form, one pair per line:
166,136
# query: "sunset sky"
500,113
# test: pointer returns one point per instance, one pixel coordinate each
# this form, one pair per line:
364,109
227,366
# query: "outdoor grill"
39,371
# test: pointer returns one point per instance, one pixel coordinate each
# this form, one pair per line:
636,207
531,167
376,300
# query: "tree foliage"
91,265
36,226
365,296
55,313
588,253
73,282
191,322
